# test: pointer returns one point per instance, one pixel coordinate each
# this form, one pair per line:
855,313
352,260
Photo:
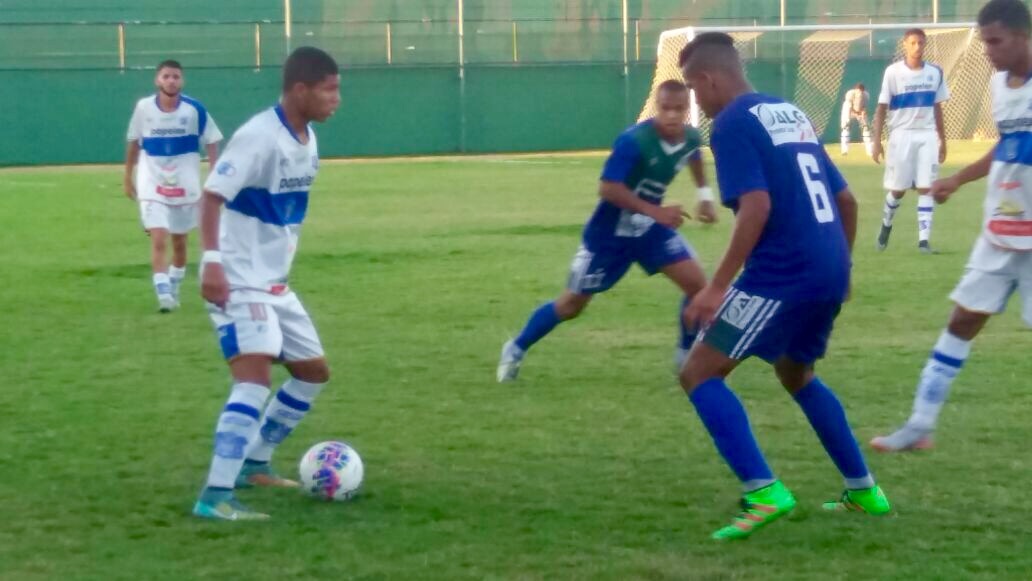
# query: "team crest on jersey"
785,123
225,169
183,121
1010,149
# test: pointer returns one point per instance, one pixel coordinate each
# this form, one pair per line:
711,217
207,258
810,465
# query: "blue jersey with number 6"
761,142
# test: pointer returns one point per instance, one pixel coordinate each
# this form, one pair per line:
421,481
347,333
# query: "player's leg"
844,123
823,409
250,337
718,351
309,373
155,218
866,132
182,219
979,294
927,170
898,179
669,253
590,273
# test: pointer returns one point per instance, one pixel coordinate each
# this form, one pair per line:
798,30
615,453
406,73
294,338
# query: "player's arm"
618,194
132,156
944,188
743,186
618,166
214,285
213,153
876,131
750,220
705,210
848,210
211,138
884,98
940,128
132,152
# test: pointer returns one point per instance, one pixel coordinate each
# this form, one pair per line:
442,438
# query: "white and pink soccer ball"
331,471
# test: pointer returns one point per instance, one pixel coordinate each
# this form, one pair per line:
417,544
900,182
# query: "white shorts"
991,277
912,160
176,219
848,115
256,323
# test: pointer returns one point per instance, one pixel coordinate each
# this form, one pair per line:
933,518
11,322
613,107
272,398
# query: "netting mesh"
666,66
960,53
812,66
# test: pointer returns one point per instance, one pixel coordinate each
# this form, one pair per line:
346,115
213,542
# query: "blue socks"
725,419
541,323
828,419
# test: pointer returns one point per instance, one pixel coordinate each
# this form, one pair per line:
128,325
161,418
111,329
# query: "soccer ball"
331,471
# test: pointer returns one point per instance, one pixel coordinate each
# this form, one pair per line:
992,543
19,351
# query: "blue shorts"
598,265
751,324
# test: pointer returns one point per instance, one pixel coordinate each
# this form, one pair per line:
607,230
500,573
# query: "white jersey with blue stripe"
912,94
169,169
264,174
1008,200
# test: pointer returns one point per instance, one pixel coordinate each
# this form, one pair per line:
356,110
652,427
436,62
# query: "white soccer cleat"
167,303
509,363
904,439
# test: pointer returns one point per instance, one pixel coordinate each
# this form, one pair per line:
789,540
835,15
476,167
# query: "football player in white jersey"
251,214
1001,261
165,134
912,94
854,106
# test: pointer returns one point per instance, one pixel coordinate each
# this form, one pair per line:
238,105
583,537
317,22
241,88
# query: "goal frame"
690,32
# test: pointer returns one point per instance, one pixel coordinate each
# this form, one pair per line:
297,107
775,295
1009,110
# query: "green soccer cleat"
866,500
222,505
759,508
261,474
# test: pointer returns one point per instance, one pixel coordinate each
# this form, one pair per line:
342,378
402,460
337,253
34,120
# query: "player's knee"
567,308
965,324
313,371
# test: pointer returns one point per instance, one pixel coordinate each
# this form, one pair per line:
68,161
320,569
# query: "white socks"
283,414
237,426
925,205
942,367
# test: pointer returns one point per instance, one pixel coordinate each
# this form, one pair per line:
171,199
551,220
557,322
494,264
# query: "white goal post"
814,65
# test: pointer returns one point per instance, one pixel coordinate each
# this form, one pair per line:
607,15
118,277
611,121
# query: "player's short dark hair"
914,32
308,65
1011,14
169,64
861,86
672,85
720,40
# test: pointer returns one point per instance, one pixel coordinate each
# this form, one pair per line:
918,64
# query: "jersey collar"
157,102
283,119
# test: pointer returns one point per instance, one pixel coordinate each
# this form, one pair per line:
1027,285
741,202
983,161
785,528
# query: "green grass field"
593,466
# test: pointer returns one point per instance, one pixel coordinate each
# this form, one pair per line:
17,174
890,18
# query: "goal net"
814,66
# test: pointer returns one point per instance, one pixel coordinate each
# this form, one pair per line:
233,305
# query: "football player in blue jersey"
795,222
631,224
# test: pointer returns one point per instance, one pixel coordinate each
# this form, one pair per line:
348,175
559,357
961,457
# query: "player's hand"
129,187
876,152
706,212
669,216
214,285
704,306
942,151
942,189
